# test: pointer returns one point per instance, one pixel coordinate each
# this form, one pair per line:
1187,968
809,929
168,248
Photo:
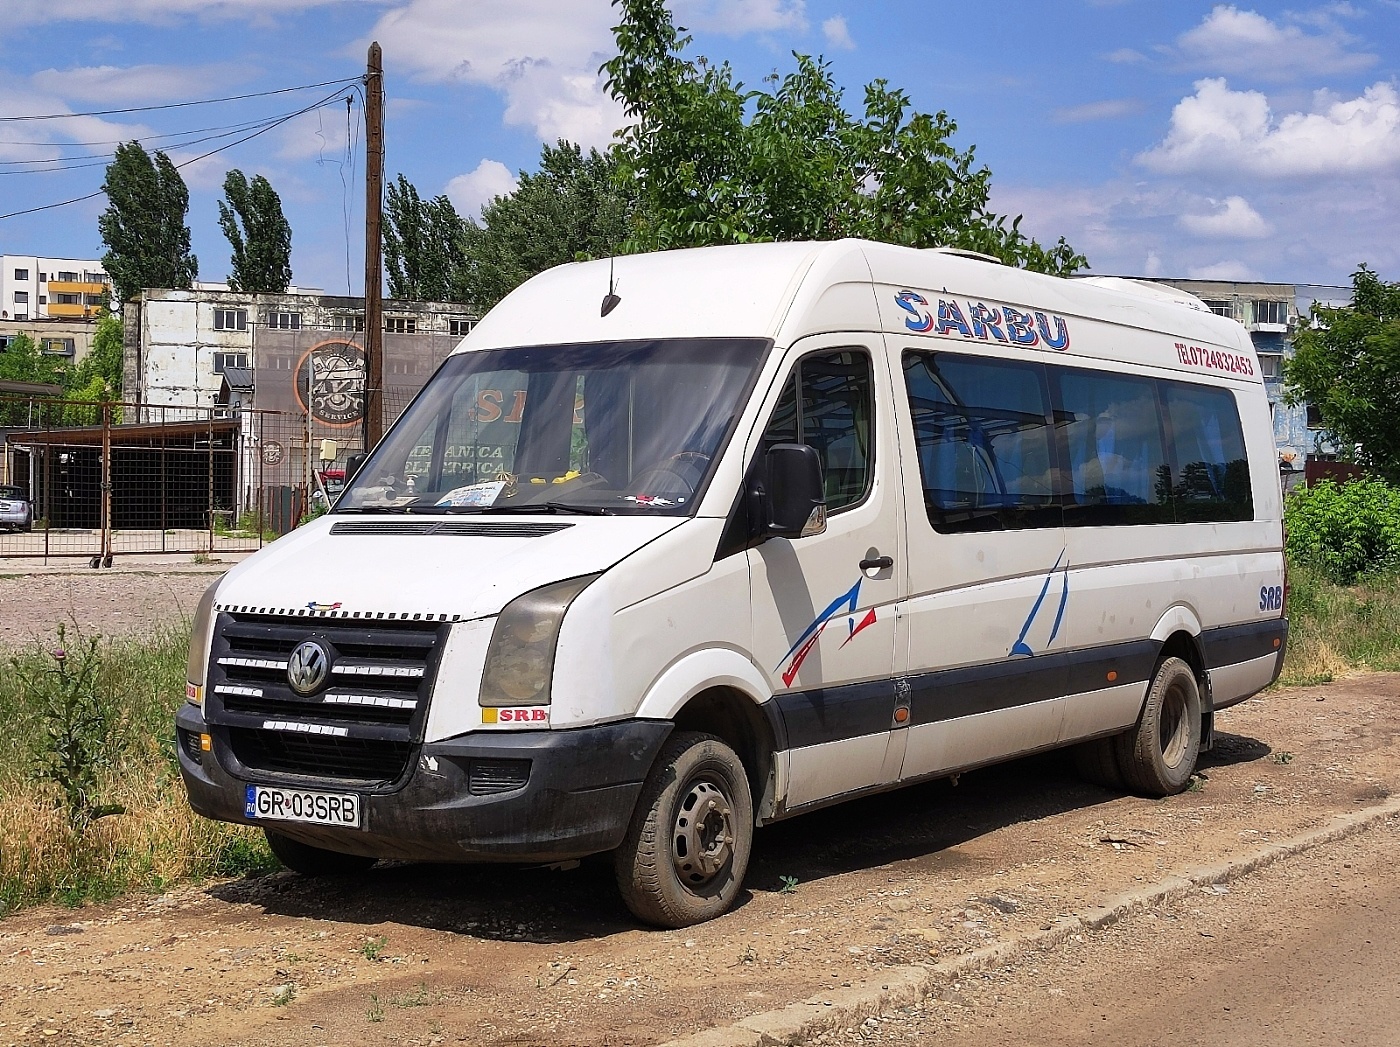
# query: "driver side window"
827,404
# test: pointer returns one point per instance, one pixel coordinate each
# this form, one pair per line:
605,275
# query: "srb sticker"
534,714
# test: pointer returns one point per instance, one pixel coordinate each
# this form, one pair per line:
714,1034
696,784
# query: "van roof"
785,291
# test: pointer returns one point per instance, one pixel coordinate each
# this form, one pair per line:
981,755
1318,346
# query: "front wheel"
686,851
1158,756
314,861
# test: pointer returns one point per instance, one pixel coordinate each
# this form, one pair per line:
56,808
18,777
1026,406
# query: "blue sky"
1169,139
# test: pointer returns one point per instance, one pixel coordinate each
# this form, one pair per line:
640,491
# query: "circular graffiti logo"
335,372
271,452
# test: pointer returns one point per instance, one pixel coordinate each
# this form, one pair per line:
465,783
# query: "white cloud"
1232,269
471,191
1108,109
1231,219
1125,56
115,85
541,55
1245,43
1225,131
27,12
1152,265
837,33
321,135
737,17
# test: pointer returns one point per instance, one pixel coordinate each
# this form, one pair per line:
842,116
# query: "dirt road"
1301,953
433,954
112,602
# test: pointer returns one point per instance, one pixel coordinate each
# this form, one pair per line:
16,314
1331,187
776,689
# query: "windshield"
12,492
602,427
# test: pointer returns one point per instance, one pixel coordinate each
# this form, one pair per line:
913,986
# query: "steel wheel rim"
1174,731
702,834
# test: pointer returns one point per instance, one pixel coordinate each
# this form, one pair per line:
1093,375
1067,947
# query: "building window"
71,277
1270,312
21,317
348,322
94,278
1314,417
457,326
68,299
1271,366
284,321
230,319
23,274
59,346
223,361
43,299
22,296
1219,308
401,324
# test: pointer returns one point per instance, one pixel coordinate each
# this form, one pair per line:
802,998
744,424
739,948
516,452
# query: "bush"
1345,532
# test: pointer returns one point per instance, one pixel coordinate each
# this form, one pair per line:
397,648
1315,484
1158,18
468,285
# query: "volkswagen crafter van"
678,545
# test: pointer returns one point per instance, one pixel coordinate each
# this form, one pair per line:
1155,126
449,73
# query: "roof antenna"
611,299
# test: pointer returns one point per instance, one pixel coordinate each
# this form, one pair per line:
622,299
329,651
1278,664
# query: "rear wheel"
314,861
1158,757
685,854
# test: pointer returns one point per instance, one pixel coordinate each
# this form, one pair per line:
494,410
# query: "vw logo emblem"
308,667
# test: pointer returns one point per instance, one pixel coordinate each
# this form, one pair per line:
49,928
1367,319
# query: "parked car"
16,511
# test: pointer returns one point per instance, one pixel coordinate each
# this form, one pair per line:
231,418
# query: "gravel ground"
110,602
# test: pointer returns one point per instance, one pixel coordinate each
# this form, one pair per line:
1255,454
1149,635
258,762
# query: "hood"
449,568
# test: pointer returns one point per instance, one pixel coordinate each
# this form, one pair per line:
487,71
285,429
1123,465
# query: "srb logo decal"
1271,598
533,714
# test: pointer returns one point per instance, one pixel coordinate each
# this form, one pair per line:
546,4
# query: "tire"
1097,762
314,861
1158,756
672,869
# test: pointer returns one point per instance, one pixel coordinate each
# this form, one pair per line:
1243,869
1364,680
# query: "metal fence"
105,480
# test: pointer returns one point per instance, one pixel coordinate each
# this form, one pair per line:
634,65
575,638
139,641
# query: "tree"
98,378
715,163
423,244
575,206
23,361
148,242
251,217
1346,363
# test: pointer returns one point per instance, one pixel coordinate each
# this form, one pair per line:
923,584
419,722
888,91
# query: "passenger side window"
1118,473
828,405
1209,467
985,441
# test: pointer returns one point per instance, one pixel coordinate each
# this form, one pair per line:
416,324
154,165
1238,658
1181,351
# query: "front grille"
331,757
487,777
362,723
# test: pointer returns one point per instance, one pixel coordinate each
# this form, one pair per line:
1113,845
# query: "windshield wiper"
372,509
550,507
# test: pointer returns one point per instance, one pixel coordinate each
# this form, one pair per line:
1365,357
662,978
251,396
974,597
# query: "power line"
334,96
242,125
176,105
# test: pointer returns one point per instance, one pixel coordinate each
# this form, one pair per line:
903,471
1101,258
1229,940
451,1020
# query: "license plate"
268,803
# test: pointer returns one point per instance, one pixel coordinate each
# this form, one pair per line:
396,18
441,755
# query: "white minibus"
677,545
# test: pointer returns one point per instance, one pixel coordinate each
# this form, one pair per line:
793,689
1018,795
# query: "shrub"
1344,531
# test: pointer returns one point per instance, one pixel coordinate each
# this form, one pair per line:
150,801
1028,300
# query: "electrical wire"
243,125
177,105
327,100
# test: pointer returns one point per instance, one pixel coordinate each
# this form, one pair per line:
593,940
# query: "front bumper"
576,798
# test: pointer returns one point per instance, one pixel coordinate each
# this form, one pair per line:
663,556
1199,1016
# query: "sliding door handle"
877,563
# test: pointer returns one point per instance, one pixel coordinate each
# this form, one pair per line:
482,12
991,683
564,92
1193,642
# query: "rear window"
12,492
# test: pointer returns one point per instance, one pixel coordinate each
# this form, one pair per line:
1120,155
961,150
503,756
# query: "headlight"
520,661
201,635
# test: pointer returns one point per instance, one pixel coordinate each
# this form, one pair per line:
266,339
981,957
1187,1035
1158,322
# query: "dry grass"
158,840
1335,630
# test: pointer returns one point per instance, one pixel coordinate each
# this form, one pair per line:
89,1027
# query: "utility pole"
374,246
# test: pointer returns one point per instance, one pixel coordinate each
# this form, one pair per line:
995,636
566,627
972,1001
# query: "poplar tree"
261,237
148,242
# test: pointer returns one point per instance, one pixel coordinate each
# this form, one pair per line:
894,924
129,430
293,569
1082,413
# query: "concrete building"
1271,312
34,287
70,339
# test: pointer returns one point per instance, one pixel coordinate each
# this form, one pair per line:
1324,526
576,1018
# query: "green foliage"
574,207
78,721
251,217
373,948
148,242
1335,629
423,245
1346,363
715,163
1346,531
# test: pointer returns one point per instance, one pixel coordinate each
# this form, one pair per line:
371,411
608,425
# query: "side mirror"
352,466
796,495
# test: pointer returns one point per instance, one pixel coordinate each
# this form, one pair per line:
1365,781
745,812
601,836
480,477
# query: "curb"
906,986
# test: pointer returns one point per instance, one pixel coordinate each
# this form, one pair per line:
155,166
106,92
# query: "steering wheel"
686,469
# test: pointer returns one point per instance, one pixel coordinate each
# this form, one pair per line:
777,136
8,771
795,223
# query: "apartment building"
33,287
